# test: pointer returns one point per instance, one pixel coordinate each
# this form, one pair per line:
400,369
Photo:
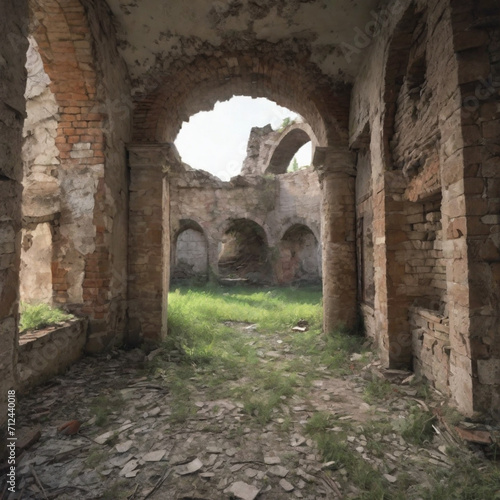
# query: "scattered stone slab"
189,468
154,456
27,437
272,460
102,438
474,436
124,447
286,485
243,490
297,440
390,478
129,467
279,471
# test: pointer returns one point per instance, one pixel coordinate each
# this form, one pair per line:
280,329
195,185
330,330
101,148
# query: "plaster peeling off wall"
77,230
40,153
36,257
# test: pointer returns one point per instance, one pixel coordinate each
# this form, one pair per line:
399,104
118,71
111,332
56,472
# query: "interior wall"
365,246
299,259
434,290
13,48
89,83
190,256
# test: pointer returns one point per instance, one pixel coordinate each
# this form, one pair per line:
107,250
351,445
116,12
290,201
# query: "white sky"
216,140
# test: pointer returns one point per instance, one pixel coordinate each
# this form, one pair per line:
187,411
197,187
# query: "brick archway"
281,78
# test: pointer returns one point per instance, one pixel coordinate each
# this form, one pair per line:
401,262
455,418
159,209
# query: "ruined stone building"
262,227
402,98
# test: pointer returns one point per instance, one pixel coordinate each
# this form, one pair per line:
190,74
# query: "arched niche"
299,257
189,253
243,252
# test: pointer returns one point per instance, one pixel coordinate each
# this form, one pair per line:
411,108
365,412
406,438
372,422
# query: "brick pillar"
336,170
149,239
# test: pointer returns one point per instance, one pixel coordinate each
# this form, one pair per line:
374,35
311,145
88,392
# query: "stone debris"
124,447
189,468
286,485
129,467
218,449
474,436
154,456
279,471
243,490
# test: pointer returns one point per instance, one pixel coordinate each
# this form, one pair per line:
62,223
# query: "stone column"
337,175
149,239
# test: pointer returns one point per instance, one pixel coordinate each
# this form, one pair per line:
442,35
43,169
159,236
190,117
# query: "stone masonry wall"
13,47
191,255
365,250
274,203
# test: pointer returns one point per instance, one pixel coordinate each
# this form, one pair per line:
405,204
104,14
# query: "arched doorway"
243,252
299,260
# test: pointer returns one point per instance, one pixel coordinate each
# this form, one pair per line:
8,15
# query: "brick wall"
89,81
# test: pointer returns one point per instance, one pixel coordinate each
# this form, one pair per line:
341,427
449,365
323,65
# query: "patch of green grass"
319,423
38,316
196,317
377,390
104,406
95,458
261,407
417,428
117,491
469,479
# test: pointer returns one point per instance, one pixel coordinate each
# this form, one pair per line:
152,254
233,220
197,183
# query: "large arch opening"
293,138
243,253
270,71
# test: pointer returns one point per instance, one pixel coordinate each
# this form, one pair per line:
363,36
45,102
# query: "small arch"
243,252
286,146
189,254
299,259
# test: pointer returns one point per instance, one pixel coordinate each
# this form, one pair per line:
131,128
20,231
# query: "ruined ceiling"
154,34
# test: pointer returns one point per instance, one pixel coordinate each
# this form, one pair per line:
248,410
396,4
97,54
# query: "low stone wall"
45,353
431,346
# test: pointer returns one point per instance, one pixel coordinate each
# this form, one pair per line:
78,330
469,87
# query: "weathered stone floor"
140,451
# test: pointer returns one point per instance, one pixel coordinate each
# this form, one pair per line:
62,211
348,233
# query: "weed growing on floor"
37,316
104,406
377,390
417,428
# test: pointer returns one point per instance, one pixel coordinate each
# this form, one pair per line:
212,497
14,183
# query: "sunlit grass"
37,316
197,317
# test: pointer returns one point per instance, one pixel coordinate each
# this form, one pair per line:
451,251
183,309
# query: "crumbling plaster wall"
41,189
447,171
109,291
274,202
13,47
90,84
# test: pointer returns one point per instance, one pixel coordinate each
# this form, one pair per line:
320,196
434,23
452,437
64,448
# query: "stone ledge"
45,353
